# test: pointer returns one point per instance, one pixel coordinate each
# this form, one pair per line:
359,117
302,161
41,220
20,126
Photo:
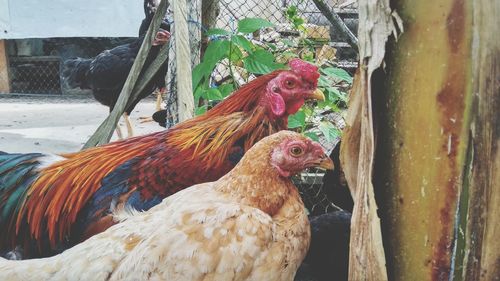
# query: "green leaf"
308,56
297,120
324,82
241,41
308,110
250,25
291,11
312,136
217,31
261,62
329,131
213,94
289,43
216,51
298,22
338,95
235,55
200,71
272,46
198,93
226,89
288,55
338,74
200,110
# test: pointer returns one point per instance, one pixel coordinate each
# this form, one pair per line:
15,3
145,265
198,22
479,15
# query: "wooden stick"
103,134
151,71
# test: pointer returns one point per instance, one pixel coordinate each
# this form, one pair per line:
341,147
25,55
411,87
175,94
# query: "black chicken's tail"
75,73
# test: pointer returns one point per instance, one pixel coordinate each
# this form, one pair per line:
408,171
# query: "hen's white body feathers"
196,234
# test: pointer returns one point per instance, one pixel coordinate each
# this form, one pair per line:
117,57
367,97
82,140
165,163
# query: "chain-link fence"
323,40
34,65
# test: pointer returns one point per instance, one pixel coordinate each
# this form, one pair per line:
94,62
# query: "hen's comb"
306,70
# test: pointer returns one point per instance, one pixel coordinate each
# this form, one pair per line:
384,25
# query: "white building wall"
70,18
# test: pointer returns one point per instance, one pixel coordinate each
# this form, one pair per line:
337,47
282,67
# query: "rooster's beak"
316,95
326,163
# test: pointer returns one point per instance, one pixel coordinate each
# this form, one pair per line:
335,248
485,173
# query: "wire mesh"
320,32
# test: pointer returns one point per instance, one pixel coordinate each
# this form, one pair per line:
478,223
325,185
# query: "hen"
251,224
106,74
49,203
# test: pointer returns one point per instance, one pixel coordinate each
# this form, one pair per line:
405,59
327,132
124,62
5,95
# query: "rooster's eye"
289,84
296,151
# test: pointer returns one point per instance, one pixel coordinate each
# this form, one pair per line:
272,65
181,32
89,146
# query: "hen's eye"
296,151
289,84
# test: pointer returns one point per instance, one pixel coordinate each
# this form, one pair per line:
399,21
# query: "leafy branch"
231,48
239,55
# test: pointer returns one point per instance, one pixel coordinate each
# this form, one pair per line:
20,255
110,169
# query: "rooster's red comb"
306,70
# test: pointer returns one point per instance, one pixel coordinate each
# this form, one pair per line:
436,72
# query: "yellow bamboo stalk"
423,137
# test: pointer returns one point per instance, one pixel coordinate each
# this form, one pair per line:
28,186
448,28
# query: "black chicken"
328,254
106,74
150,7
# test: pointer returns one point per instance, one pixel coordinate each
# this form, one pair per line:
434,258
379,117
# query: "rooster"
251,224
106,74
49,203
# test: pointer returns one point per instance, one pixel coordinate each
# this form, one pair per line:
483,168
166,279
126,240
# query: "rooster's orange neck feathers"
242,115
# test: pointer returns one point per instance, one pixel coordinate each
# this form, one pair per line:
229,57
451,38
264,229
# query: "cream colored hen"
249,225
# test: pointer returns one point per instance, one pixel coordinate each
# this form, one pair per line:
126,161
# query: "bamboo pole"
423,138
104,132
185,98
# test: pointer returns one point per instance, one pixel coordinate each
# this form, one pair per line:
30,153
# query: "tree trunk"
434,171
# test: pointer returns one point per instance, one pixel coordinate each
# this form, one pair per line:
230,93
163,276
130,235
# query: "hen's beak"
316,95
326,163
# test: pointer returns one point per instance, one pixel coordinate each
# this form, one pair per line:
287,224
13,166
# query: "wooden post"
4,68
185,98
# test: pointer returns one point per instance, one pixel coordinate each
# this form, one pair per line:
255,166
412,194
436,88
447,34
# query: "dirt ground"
59,124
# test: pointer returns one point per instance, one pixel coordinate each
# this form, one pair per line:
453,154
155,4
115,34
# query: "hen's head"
292,153
161,37
287,92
